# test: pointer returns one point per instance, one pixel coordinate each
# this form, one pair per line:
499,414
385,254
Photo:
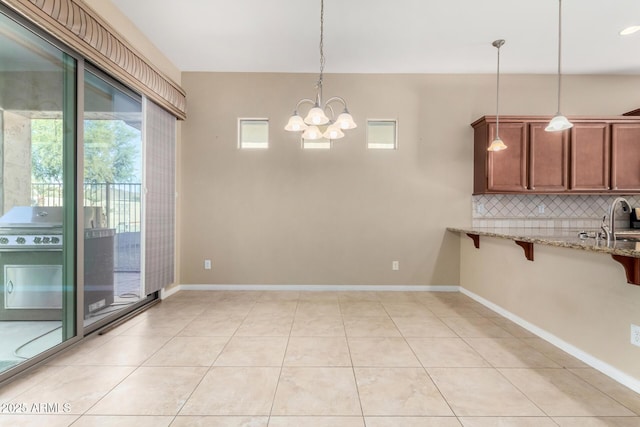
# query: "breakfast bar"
626,252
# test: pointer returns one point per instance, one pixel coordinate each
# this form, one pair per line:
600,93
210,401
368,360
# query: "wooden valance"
77,25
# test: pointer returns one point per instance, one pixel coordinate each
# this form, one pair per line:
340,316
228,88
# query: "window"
382,134
316,144
253,133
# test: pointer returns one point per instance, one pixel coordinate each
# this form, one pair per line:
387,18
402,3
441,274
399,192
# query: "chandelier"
317,124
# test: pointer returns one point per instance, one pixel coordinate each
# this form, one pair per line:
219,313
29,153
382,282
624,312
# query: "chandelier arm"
304,101
337,98
333,114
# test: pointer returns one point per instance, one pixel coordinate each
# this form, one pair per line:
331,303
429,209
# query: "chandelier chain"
322,59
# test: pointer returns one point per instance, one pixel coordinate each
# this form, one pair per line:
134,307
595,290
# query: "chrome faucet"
606,232
610,229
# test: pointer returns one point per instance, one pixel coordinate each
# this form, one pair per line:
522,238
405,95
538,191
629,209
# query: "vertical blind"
160,137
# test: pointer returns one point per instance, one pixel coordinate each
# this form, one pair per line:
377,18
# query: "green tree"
110,151
46,150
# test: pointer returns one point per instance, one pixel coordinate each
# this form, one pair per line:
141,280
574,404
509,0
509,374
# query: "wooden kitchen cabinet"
590,164
505,171
625,157
598,155
548,159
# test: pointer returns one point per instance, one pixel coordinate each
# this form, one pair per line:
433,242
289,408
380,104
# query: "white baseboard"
320,288
166,293
605,368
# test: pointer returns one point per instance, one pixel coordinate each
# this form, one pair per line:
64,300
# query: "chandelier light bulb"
345,121
316,117
312,133
333,132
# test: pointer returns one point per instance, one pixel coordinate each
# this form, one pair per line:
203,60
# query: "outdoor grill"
31,263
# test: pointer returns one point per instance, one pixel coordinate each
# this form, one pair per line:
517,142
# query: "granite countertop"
561,237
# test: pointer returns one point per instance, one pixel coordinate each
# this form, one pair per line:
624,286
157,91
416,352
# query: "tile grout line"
209,368
284,356
85,413
422,365
353,368
637,414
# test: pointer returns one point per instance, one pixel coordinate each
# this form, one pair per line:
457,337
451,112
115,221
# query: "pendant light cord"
498,96
498,44
559,52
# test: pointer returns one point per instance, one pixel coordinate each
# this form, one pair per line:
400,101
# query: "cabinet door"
507,169
548,159
590,148
625,152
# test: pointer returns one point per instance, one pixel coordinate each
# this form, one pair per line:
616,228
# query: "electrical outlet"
541,208
395,265
635,335
207,264
480,208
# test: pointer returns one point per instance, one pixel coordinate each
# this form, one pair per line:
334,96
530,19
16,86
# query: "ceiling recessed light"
630,30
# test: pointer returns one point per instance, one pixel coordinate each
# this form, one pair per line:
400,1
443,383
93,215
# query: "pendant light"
559,122
497,144
317,124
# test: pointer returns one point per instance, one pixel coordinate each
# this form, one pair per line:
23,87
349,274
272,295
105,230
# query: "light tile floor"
330,359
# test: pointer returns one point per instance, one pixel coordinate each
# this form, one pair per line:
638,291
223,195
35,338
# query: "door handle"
10,287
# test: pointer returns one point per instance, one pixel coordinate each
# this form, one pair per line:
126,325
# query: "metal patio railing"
121,204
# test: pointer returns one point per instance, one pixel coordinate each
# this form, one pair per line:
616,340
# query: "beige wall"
287,216
580,297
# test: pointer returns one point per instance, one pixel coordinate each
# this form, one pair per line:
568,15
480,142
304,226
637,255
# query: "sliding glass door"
112,197
37,195
71,199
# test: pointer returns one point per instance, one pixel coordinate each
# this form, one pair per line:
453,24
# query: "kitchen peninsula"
572,295
626,252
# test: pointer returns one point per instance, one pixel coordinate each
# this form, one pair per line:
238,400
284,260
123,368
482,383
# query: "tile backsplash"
546,211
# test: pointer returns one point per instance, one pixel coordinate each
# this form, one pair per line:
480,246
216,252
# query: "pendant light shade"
333,132
312,133
295,123
559,122
497,144
345,121
316,116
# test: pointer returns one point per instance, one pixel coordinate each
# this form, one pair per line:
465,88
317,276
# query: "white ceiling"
399,36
